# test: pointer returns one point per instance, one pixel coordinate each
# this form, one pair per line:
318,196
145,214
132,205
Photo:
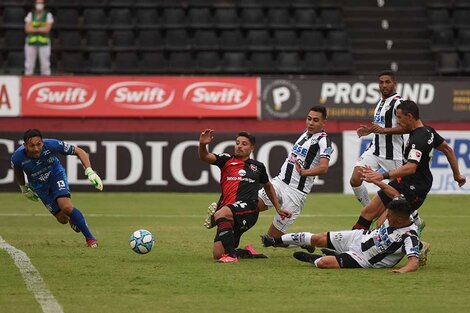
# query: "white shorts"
290,199
349,241
375,162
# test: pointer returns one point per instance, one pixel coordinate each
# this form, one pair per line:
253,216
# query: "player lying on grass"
380,248
47,179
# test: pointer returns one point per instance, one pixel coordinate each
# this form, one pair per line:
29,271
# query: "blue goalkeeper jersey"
39,170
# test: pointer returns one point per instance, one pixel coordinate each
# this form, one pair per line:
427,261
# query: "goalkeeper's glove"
29,193
94,178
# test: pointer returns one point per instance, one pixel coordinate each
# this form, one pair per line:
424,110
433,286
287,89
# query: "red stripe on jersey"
228,180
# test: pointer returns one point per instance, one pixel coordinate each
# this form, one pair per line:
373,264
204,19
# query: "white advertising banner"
443,178
9,96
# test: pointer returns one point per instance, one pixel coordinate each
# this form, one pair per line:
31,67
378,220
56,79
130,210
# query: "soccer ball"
141,241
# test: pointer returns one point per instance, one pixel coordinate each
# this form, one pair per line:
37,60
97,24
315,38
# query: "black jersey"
240,180
418,149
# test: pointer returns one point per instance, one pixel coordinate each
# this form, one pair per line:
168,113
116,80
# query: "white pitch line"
262,215
32,279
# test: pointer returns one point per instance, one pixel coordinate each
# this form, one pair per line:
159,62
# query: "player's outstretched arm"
411,266
89,172
205,138
454,164
25,189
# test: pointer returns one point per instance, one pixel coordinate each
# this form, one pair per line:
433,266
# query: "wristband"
386,175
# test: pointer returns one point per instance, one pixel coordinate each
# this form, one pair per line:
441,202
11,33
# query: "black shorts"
344,259
245,216
414,198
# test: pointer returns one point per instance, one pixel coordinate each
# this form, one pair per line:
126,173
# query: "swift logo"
217,95
61,95
139,95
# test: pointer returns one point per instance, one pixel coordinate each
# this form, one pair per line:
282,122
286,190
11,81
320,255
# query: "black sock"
225,235
362,223
278,241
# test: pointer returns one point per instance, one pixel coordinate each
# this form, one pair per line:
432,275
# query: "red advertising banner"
140,96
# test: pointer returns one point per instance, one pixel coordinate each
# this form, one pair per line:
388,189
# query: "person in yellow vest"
38,24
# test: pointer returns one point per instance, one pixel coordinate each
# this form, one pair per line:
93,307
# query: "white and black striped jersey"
386,245
307,150
387,146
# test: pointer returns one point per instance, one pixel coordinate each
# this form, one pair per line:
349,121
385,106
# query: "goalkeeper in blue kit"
47,180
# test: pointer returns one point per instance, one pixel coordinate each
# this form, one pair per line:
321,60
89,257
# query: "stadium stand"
404,36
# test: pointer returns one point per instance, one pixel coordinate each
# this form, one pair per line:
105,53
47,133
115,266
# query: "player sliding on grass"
47,179
379,248
237,210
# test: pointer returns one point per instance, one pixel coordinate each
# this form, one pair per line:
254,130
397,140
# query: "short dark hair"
400,206
410,107
321,109
388,73
30,133
250,137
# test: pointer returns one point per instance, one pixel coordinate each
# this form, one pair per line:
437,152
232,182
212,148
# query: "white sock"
297,239
316,262
361,194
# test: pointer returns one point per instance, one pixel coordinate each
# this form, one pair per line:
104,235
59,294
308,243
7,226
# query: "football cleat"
227,259
306,257
209,222
267,240
92,243
423,253
74,227
327,251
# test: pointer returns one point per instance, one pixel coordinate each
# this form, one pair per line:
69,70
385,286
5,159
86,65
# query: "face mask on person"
39,6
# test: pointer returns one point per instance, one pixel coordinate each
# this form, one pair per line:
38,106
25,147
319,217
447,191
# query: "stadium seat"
147,18
75,4
262,62
331,18
123,40
126,63
312,40
232,40
286,40
288,62
305,18
15,62
120,3
207,62
234,62
146,3
14,39
341,63
439,19
94,19
150,40
463,40
1,63
466,63
177,39
459,4
250,3
174,18
258,39
70,40
73,62
180,62
461,19
304,4
13,18
442,40
199,18
120,19
97,40
448,63
252,18
153,63
226,18
100,62
93,3
315,63
66,19
337,40
279,18
205,40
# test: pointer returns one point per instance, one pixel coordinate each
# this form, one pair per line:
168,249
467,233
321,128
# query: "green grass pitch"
179,275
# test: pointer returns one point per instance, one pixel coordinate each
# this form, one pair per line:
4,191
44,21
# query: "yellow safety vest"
38,39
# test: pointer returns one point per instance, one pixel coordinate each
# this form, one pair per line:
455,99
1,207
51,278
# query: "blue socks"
78,219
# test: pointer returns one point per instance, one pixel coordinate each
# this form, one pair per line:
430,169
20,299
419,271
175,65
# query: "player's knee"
326,262
62,218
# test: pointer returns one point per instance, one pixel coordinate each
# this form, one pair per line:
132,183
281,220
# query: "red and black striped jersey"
240,180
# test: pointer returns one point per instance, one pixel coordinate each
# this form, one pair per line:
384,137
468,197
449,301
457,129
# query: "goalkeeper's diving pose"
37,158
